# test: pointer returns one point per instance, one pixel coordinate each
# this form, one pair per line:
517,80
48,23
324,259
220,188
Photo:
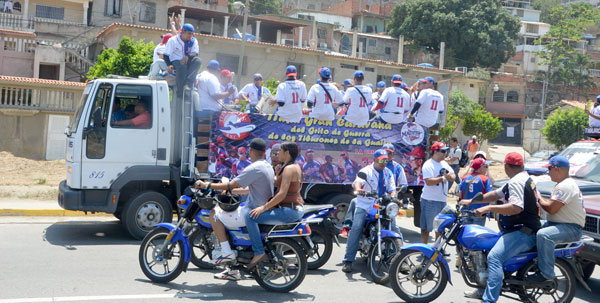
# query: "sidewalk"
49,208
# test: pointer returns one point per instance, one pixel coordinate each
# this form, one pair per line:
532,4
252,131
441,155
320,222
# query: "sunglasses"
382,161
551,167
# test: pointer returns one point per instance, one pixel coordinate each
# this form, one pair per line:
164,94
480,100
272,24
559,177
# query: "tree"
477,32
566,66
272,84
565,126
130,59
482,124
545,6
263,7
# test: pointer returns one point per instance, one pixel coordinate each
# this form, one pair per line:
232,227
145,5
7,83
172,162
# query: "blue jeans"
508,246
350,214
280,215
360,216
551,234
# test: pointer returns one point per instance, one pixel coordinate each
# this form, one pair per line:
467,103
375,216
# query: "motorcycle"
166,251
317,246
378,244
420,272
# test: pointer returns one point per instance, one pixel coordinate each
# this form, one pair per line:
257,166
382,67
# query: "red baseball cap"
242,150
226,73
165,38
513,159
418,152
477,163
439,146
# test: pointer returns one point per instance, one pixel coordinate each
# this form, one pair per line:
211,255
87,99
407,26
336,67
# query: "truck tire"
144,211
341,202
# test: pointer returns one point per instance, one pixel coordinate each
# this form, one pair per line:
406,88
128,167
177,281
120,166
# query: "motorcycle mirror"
478,197
362,175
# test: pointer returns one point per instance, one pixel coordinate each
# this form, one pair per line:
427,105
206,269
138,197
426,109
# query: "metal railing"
78,62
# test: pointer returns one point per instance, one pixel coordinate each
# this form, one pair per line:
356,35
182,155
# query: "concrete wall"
531,136
469,86
16,64
377,52
130,14
49,55
73,11
344,21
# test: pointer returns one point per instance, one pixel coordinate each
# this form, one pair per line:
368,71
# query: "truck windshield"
591,171
84,96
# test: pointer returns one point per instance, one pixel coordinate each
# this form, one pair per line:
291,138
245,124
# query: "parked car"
578,153
531,163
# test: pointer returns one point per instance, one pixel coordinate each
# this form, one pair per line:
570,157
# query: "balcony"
529,48
506,109
16,22
19,93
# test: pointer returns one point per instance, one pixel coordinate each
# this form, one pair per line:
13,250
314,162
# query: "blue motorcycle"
379,242
420,272
166,251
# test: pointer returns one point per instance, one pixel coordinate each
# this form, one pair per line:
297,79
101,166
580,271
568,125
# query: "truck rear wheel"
144,211
341,202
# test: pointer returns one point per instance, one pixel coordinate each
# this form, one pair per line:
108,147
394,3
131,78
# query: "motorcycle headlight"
391,210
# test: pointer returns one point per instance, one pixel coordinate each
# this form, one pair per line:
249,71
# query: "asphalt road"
46,259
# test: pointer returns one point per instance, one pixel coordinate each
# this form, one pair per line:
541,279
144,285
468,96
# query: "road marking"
115,297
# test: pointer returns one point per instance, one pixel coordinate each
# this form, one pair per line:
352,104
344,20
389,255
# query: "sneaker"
229,274
344,232
538,278
474,294
221,258
347,268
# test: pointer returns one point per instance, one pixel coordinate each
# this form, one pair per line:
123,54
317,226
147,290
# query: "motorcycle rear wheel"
403,276
152,260
564,276
201,248
285,274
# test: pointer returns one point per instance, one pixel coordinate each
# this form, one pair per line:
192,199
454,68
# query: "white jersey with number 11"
292,93
432,102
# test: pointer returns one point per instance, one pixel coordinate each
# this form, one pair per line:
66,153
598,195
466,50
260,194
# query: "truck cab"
124,168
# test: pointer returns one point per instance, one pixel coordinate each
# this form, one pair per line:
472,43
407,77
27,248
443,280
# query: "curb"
16,212
406,213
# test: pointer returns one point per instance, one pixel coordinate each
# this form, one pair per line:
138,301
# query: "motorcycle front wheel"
161,265
379,266
286,268
406,283
562,289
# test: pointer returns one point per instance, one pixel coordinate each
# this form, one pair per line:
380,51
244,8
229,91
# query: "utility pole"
238,80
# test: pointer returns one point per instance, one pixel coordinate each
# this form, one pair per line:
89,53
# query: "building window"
348,66
532,60
113,8
498,96
372,42
17,7
346,48
147,12
299,69
369,29
532,28
520,12
370,69
231,62
388,50
50,12
512,96
321,33
364,44
311,7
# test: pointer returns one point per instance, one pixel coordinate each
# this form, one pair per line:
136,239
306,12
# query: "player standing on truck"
428,105
394,102
322,96
290,96
357,98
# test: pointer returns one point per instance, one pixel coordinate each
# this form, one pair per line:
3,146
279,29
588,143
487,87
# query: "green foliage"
565,126
461,105
130,59
477,32
263,7
545,6
482,124
271,84
451,123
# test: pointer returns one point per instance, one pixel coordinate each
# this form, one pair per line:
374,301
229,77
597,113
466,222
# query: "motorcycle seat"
315,208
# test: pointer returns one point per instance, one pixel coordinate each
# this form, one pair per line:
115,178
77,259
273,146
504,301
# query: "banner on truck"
330,151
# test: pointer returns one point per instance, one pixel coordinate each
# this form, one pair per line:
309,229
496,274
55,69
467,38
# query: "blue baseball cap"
370,85
213,64
291,71
421,80
429,79
389,146
404,85
325,73
397,79
257,76
348,82
381,84
558,161
187,27
380,154
598,98
359,74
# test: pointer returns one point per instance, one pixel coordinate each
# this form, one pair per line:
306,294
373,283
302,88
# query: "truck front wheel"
144,211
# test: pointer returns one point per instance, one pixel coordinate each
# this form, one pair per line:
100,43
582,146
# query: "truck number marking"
96,175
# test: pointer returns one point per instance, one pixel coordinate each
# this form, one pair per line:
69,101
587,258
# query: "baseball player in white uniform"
379,92
252,92
394,102
321,101
290,96
428,106
357,98
594,113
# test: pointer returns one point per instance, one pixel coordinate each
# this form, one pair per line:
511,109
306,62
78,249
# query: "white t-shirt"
455,153
439,192
396,104
568,193
175,48
432,102
208,85
322,106
358,110
292,93
251,92
373,179
593,121
159,49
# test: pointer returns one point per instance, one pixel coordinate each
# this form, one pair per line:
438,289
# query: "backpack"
464,158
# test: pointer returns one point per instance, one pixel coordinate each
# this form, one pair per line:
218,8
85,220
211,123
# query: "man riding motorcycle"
519,219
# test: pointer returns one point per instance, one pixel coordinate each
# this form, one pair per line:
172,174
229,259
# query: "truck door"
121,132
